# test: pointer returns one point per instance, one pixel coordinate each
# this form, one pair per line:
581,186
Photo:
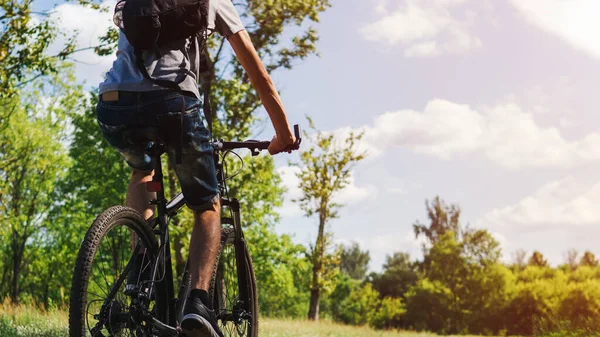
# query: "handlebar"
255,146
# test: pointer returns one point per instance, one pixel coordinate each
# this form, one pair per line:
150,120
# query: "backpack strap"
206,84
139,61
206,105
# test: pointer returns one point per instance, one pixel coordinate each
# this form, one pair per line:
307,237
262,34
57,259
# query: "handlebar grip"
298,135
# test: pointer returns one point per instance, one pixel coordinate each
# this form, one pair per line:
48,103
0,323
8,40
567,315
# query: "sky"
491,105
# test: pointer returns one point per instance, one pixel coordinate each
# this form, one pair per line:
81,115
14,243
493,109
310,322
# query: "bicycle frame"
166,210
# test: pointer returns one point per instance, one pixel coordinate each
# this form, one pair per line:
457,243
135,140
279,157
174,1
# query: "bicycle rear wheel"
232,277
98,304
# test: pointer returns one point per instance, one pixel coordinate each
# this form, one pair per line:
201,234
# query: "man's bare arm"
261,81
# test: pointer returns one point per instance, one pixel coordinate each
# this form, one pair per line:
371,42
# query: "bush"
581,307
428,307
531,305
359,306
388,314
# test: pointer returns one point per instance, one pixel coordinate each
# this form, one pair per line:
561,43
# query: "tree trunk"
315,292
313,311
14,282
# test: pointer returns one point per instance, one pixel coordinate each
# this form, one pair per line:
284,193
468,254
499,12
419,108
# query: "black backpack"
151,24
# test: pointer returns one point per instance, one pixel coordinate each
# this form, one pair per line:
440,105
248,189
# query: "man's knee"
141,175
212,207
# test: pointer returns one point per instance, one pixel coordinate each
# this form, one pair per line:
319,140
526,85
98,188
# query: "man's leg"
198,319
204,245
138,196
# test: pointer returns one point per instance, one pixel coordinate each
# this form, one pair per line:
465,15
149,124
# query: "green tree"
282,272
581,306
35,158
326,169
537,259
399,274
571,259
428,306
519,260
359,306
353,261
442,218
463,262
25,40
588,259
388,315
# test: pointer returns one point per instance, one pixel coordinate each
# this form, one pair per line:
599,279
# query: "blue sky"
489,104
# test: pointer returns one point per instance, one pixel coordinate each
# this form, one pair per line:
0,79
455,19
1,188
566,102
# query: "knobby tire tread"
100,227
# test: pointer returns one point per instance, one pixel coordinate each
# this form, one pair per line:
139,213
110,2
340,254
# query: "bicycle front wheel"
99,306
233,288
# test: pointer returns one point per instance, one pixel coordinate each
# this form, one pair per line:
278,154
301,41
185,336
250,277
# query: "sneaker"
140,264
198,320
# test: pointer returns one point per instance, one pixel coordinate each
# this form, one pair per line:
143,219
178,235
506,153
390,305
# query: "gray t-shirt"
180,59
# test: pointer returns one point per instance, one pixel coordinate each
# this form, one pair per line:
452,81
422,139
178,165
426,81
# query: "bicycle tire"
227,246
106,222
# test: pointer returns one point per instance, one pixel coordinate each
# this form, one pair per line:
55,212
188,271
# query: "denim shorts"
136,119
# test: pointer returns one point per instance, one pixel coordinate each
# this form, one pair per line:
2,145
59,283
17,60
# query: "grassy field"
26,322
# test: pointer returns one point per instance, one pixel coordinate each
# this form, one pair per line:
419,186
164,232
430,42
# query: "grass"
299,328
23,321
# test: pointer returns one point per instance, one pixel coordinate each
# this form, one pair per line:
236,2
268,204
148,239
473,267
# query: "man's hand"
277,146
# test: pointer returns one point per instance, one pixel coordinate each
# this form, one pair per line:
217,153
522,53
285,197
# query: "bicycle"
151,309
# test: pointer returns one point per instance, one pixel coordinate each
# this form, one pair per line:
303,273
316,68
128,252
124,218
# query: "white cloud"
556,205
352,194
505,134
575,21
291,182
88,25
424,28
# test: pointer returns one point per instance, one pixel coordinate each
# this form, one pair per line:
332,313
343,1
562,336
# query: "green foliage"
464,263
359,306
33,160
581,306
354,262
428,306
531,305
442,218
588,259
282,272
388,315
537,260
99,175
24,46
399,274
257,186
233,100
325,169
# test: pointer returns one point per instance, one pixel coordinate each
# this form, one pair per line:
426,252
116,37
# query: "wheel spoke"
234,317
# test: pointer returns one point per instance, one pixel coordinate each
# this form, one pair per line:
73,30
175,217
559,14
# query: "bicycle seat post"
156,185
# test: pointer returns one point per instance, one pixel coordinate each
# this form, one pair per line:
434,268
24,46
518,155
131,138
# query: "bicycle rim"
99,306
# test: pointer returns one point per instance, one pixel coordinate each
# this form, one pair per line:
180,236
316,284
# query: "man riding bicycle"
132,109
